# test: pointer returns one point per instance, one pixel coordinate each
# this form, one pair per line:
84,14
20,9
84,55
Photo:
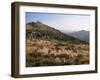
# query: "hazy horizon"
68,22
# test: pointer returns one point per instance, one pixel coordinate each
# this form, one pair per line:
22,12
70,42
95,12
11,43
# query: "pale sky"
69,22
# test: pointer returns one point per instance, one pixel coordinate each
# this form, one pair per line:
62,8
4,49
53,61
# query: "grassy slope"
52,33
59,49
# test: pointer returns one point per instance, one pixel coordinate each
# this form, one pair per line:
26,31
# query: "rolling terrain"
47,46
82,34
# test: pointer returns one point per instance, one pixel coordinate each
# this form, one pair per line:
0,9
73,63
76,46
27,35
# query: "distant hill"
82,35
40,30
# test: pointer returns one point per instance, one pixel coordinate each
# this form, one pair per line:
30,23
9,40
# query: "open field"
44,52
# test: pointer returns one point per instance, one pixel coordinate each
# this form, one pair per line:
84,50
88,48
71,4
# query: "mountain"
47,46
40,30
82,35
67,31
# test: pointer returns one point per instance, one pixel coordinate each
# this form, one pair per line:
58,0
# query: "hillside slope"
82,35
46,46
38,29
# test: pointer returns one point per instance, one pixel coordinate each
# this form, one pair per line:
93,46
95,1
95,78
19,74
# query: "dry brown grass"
57,50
